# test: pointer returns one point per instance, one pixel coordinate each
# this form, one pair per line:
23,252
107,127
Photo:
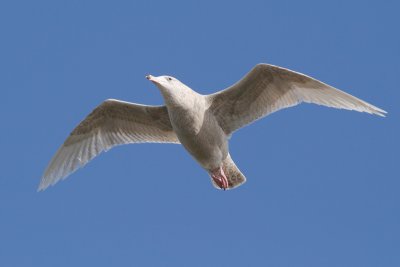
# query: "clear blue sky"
323,184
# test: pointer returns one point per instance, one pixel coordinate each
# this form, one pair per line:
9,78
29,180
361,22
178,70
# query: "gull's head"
165,83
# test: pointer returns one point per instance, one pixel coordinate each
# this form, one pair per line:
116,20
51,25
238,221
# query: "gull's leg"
219,178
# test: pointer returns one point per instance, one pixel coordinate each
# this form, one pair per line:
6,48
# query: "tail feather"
232,172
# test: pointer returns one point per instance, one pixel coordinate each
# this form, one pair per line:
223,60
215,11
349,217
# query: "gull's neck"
181,96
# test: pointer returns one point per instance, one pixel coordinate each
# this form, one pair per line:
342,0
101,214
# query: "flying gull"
201,123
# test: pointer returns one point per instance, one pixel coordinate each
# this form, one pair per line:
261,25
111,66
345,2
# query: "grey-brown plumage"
201,123
112,123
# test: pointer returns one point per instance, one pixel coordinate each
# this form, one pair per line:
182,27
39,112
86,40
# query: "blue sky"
323,184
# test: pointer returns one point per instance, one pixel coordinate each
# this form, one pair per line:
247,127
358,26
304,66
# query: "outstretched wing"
267,88
110,124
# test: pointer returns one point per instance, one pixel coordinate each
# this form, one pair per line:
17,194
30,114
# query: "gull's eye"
169,79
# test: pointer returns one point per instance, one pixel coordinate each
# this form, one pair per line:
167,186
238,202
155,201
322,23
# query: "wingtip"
41,187
379,112
44,183
382,114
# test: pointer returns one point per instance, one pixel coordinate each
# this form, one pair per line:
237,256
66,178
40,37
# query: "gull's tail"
232,172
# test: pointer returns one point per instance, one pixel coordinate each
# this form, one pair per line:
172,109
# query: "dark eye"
169,79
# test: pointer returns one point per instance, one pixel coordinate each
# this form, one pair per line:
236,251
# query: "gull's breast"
202,137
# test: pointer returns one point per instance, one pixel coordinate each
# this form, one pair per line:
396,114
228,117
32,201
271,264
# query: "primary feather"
110,124
267,88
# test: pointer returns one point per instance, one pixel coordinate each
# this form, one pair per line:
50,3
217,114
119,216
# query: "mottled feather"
112,123
267,88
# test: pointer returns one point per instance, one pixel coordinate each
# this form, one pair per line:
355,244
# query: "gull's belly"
208,151
206,142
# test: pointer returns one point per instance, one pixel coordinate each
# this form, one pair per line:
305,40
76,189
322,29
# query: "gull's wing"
111,123
267,88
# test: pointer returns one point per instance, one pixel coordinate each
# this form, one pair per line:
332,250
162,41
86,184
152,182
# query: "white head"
165,82
170,87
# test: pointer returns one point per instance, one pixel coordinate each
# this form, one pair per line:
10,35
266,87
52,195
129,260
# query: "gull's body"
196,128
201,123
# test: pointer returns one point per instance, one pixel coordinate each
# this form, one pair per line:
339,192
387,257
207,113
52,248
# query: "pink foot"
219,178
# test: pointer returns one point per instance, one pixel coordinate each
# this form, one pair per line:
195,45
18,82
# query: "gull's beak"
151,78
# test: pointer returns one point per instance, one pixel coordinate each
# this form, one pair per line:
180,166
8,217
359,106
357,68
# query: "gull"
203,124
